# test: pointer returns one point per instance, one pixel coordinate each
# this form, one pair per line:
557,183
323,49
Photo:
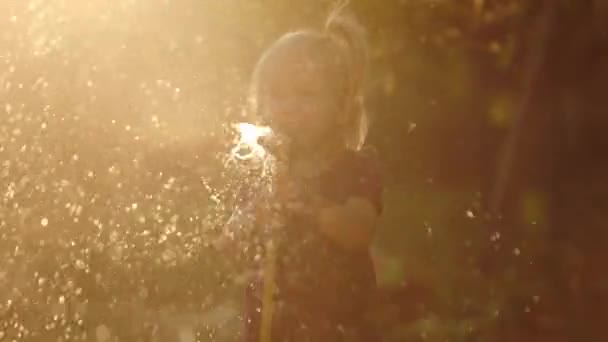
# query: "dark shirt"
323,289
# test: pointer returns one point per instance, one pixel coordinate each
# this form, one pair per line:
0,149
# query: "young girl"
308,88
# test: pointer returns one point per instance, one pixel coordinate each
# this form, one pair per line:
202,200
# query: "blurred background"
489,116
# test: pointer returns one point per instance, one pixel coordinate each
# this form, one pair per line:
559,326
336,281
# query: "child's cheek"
322,123
285,116
302,119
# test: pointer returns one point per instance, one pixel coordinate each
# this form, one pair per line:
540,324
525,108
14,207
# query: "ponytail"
349,37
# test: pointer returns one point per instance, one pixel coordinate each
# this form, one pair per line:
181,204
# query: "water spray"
248,148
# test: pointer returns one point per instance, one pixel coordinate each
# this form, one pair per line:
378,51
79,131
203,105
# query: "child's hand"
350,224
297,199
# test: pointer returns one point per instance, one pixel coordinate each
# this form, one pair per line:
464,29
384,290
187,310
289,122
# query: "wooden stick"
269,289
270,264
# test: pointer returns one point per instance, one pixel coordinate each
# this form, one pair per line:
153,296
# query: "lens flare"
247,146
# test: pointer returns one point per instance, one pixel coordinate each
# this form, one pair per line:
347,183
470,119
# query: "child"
307,86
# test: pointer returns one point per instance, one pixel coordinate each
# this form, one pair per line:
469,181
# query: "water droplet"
44,221
169,255
495,237
411,127
102,333
470,214
143,292
80,264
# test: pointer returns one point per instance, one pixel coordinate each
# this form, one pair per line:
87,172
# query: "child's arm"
350,224
350,221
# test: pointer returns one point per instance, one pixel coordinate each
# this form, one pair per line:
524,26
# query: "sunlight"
248,146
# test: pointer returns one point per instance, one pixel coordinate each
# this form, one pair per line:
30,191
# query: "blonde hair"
343,34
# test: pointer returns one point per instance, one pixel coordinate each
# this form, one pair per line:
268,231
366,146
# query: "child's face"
302,97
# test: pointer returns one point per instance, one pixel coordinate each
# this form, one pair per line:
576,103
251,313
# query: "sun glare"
248,146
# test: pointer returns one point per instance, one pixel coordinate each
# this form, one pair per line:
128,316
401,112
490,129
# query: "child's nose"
285,113
287,107
294,109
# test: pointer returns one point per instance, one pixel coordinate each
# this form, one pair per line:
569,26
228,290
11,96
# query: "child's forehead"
298,54
295,60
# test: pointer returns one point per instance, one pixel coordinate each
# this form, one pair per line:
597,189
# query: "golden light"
248,146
